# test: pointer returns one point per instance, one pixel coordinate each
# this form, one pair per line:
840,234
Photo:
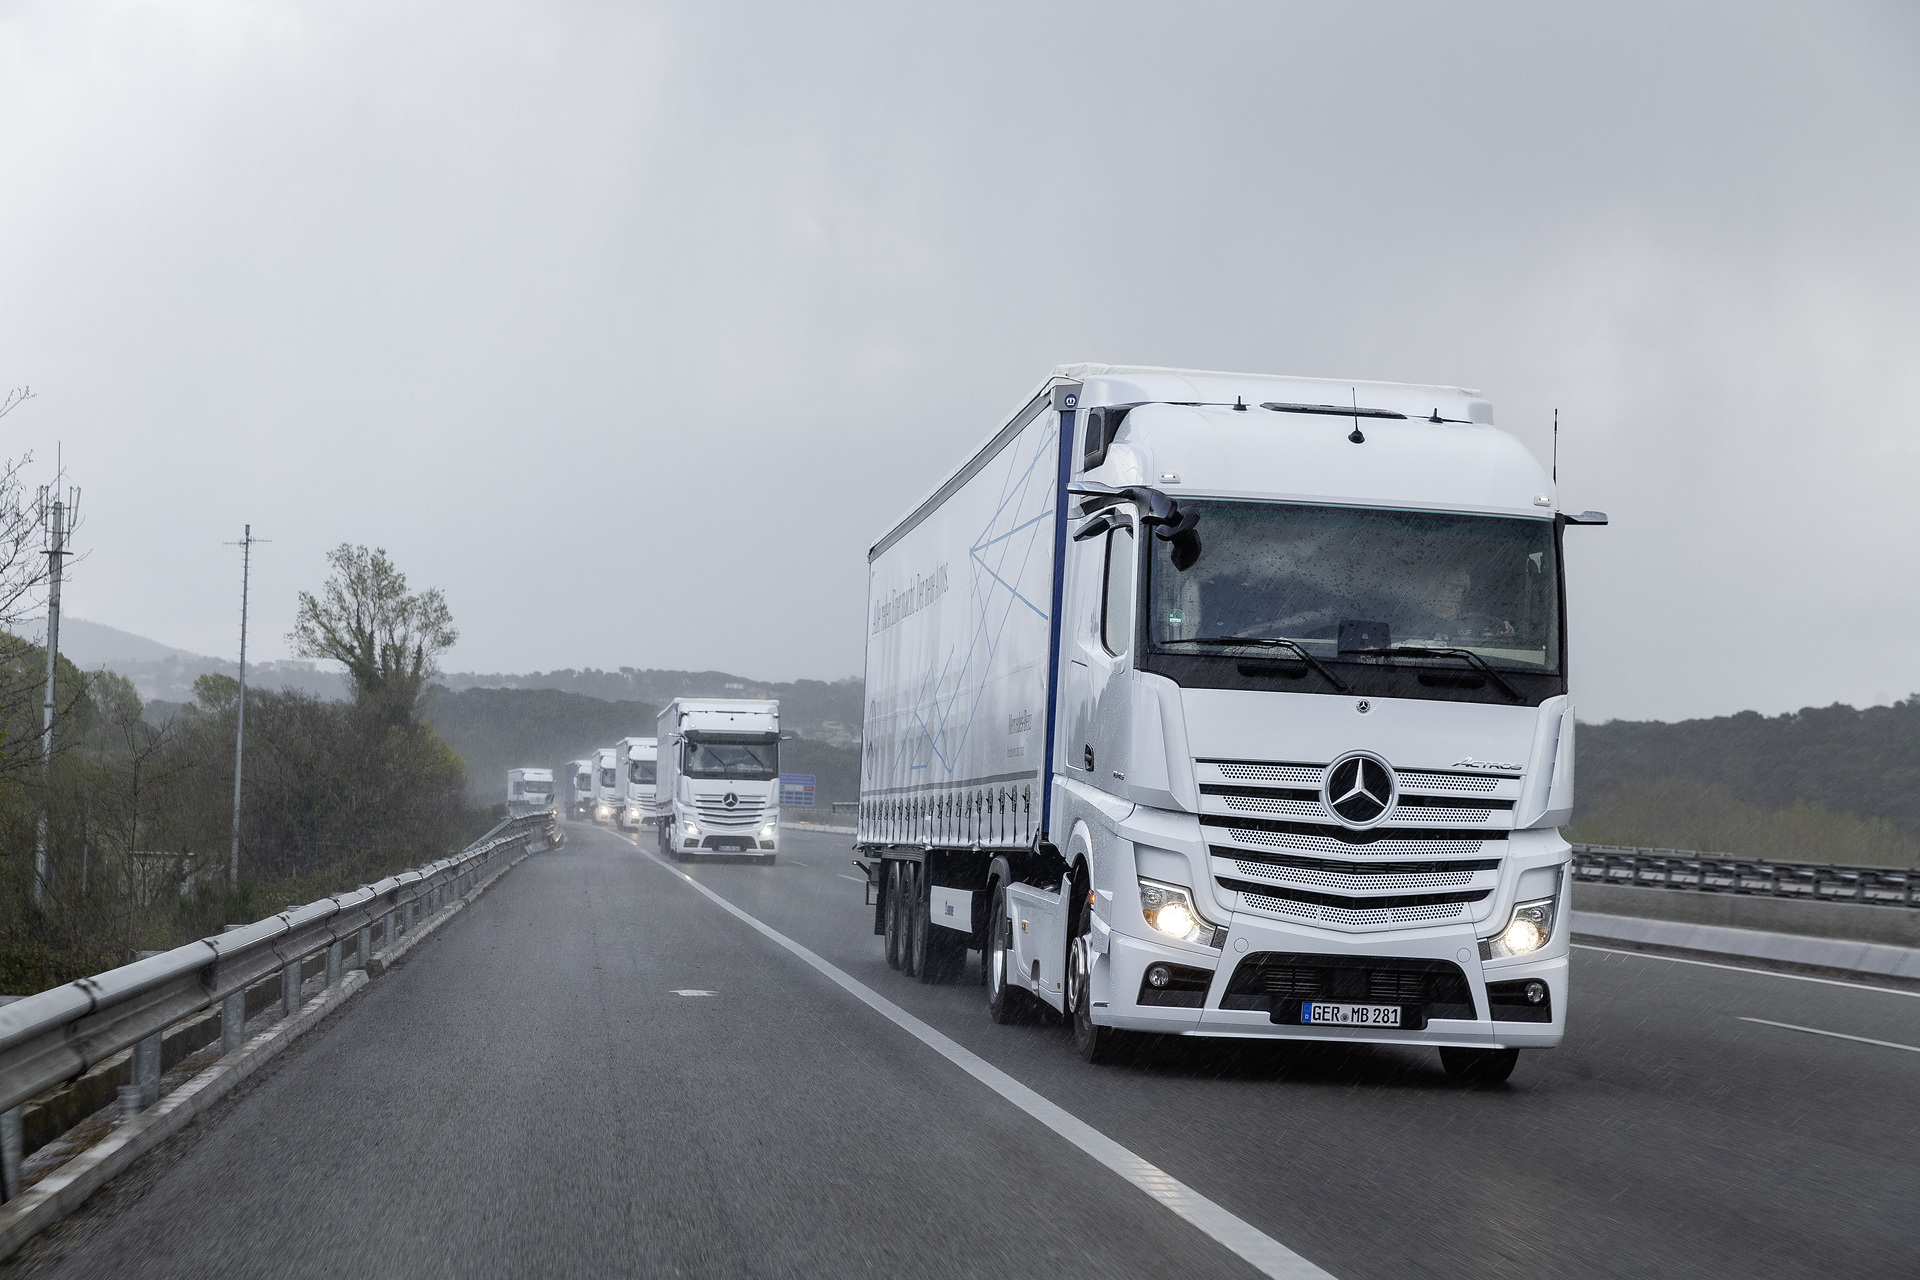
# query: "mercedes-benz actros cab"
634,762
529,791
580,788
719,777
1231,705
609,795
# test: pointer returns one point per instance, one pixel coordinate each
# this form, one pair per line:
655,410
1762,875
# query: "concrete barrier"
1891,926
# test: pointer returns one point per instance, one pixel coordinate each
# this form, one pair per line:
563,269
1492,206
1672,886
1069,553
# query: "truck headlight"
692,828
1527,931
767,832
1170,910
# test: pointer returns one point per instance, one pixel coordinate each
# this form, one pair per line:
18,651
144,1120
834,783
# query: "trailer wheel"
1006,1004
1479,1066
914,926
937,953
891,919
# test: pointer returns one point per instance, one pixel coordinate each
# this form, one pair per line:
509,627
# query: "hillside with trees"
138,807
1826,784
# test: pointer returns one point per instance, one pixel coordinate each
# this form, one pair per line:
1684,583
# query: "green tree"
387,637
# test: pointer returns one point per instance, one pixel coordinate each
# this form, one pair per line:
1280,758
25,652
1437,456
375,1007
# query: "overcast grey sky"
632,326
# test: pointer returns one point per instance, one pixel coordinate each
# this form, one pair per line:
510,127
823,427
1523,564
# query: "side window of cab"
1116,595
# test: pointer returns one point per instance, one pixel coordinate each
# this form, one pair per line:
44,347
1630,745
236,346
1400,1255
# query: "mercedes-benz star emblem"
731,800
1359,789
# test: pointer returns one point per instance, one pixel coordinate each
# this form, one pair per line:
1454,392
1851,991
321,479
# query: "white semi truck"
1231,705
580,788
529,791
635,765
719,777
609,795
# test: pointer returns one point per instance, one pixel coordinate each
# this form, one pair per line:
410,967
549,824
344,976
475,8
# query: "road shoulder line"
1259,1250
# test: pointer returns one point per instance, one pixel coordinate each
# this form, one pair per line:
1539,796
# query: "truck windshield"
1348,579
606,777
750,760
641,772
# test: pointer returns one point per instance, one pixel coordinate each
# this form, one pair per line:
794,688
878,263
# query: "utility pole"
58,526
240,730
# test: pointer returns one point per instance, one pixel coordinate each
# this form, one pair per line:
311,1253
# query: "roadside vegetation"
139,814
1827,784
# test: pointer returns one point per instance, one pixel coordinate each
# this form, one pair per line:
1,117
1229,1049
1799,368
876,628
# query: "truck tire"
914,923
1006,1004
1479,1066
892,919
1094,1043
938,953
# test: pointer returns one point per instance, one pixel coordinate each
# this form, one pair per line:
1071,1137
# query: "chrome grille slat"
1362,883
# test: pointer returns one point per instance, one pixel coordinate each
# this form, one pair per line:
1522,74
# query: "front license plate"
1322,1014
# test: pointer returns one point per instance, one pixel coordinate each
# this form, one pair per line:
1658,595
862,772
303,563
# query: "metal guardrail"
1725,873
58,1035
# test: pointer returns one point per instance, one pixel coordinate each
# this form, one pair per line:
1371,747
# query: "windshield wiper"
1471,658
1270,642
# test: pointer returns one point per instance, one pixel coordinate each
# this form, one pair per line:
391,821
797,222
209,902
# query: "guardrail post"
290,989
363,946
10,1148
333,964
146,1070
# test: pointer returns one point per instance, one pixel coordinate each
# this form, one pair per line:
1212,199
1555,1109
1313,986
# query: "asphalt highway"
597,1071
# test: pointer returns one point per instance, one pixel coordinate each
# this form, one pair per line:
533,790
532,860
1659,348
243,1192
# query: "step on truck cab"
580,788
609,794
529,791
719,777
635,765
1231,705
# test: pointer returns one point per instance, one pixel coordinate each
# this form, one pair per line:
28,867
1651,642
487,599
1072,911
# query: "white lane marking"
1740,968
1837,1035
855,879
1265,1254
689,991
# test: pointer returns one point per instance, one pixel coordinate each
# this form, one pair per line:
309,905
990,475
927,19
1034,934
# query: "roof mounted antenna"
1239,404
1556,448
1356,437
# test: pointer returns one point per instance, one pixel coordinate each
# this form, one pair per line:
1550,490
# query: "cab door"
1098,631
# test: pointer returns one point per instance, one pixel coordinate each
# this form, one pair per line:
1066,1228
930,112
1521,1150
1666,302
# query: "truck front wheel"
1005,1003
1094,1043
1479,1066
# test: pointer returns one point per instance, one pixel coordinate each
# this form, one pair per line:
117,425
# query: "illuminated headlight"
766,832
605,812
1170,910
692,828
1527,932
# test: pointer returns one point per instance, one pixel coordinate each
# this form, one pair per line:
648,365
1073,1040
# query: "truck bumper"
1127,960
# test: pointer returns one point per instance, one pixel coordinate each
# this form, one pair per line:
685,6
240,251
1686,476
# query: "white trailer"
580,788
635,765
719,777
1231,705
529,791
609,796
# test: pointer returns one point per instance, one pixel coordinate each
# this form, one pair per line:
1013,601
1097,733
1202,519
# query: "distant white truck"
636,765
580,788
719,777
529,791
609,797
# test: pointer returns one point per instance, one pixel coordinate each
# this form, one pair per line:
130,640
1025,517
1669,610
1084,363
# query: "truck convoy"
719,777
609,795
634,764
580,788
1230,705
529,791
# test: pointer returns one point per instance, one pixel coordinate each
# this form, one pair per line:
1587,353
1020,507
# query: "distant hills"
1833,784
